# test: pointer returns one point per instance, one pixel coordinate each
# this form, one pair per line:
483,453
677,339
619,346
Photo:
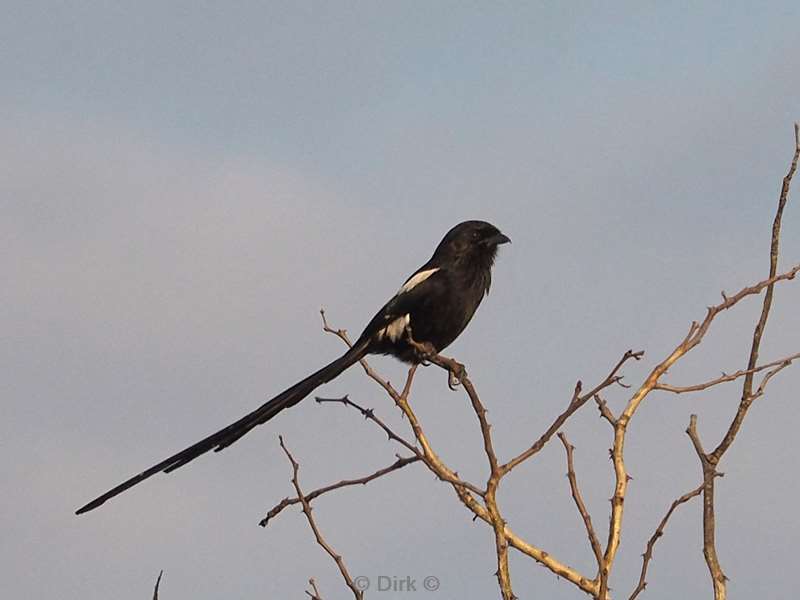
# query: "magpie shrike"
433,307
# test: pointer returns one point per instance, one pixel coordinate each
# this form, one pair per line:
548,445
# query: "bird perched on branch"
429,310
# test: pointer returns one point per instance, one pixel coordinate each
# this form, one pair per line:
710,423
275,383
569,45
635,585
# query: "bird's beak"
498,239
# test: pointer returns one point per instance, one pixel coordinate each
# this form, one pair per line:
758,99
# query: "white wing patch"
415,280
395,329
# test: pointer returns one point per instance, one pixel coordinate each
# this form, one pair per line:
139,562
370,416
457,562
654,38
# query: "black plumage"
434,305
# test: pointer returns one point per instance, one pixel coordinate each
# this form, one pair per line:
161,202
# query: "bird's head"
471,241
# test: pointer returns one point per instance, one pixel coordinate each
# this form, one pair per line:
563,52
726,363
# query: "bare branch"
605,412
747,388
693,338
710,473
691,431
369,414
710,461
783,362
401,462
763,385
337,558
490,513
576,402
459,374
576,496
504,536
648,553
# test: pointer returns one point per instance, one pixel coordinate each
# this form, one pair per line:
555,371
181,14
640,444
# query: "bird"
430,310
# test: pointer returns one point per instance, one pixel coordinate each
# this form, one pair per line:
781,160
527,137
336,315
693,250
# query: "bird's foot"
454,375
425,351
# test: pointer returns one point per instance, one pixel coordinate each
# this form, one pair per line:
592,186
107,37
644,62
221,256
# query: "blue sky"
185,184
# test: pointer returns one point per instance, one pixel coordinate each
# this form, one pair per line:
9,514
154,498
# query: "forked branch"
709,461
337,558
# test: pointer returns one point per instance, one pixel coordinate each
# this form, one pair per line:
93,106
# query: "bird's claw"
452,381
454,376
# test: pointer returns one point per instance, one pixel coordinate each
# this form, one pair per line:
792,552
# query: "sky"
184,185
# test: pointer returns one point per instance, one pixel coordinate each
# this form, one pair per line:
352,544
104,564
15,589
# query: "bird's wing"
426,285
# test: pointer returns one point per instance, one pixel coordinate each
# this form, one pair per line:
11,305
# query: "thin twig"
369,414
783,362
648,552
576,402
337,558
691,431
576,496
401,462
314,593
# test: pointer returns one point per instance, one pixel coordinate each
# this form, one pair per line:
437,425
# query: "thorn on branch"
618,381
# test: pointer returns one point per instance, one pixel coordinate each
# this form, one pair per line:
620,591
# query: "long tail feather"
230,434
